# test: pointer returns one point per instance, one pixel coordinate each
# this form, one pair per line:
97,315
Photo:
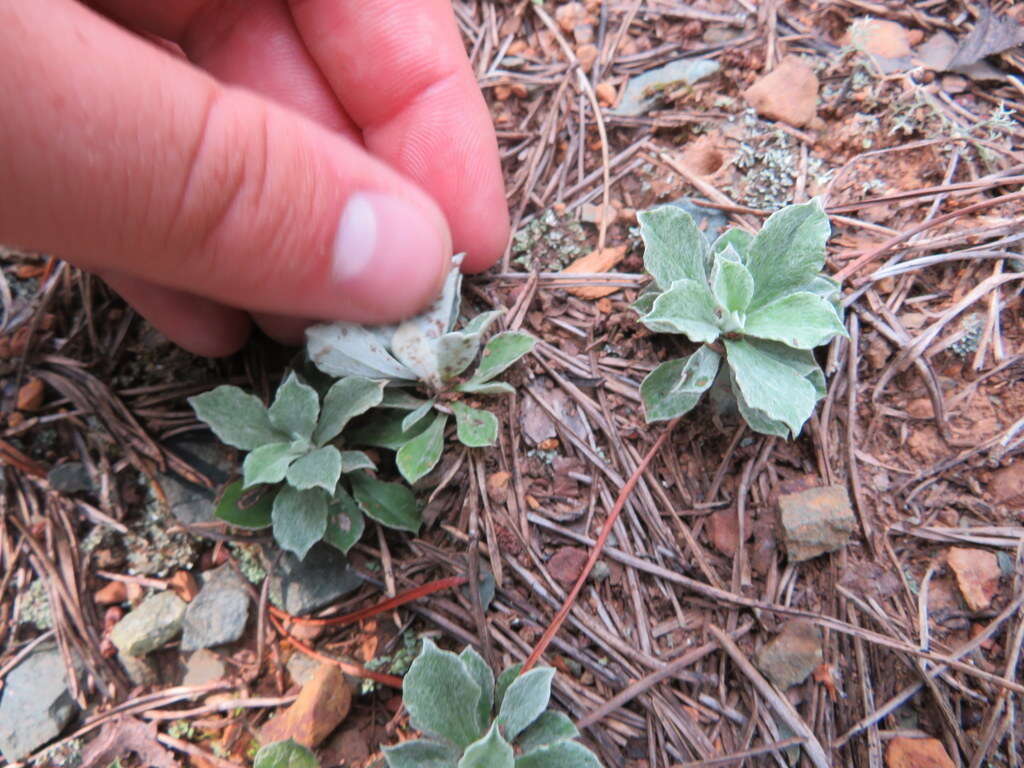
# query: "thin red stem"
364,613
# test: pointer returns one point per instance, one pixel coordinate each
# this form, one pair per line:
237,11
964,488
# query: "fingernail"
390,254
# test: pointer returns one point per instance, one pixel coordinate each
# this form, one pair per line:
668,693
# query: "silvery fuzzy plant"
757,300
471,720
423,356
298,478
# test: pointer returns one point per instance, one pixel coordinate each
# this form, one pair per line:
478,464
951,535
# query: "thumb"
128,160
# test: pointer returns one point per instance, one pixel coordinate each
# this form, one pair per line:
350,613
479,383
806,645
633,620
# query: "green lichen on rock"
549,242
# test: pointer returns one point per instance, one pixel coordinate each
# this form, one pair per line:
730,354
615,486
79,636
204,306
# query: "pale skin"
303,160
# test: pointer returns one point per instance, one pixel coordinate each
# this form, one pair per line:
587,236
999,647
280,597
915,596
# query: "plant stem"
595,552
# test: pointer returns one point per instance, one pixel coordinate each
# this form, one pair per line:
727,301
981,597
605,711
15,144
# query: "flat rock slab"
203,666
322,704
303,586
35,705
816,521
218,614
156,621
792,654
789,93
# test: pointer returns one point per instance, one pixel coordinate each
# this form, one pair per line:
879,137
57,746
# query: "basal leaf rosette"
469,719
298,478
759,301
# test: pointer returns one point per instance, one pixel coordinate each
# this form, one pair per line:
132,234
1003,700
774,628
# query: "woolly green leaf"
300,519
345,521
674,249
416,458
505,679
739,239
232,507
645,301
421,754
320,468
390,504
269,463
295,408
476,427
350,349
346,399
772,380
383,429
675,387
236,417
484,677
285,754
413,417
401,399
524,701
492,751
487,388
501,352
731,283
354,460
564,754
800,320
441,696
550,728
688,307
458,349
756,420
788,251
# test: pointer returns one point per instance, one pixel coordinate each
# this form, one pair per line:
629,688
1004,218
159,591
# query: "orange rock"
977,575
184,585
879,37
1007,484
593,262
111,593
789,93
321,706
586,55
570,15
606,94
904,752
497,486
30,396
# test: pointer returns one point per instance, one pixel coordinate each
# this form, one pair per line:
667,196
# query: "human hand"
318,159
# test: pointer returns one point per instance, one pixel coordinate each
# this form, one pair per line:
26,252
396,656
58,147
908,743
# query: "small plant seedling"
297,478
472,720
757,300
427,354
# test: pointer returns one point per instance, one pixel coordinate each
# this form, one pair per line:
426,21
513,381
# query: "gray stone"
816,521
192,503
301,668
36,703
643,91
218,614
139,669
70,477
792,654
303,586
156,621
203,666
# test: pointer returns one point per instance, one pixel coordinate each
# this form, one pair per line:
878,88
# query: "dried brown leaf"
124,735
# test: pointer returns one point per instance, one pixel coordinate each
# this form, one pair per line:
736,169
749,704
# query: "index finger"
400,71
